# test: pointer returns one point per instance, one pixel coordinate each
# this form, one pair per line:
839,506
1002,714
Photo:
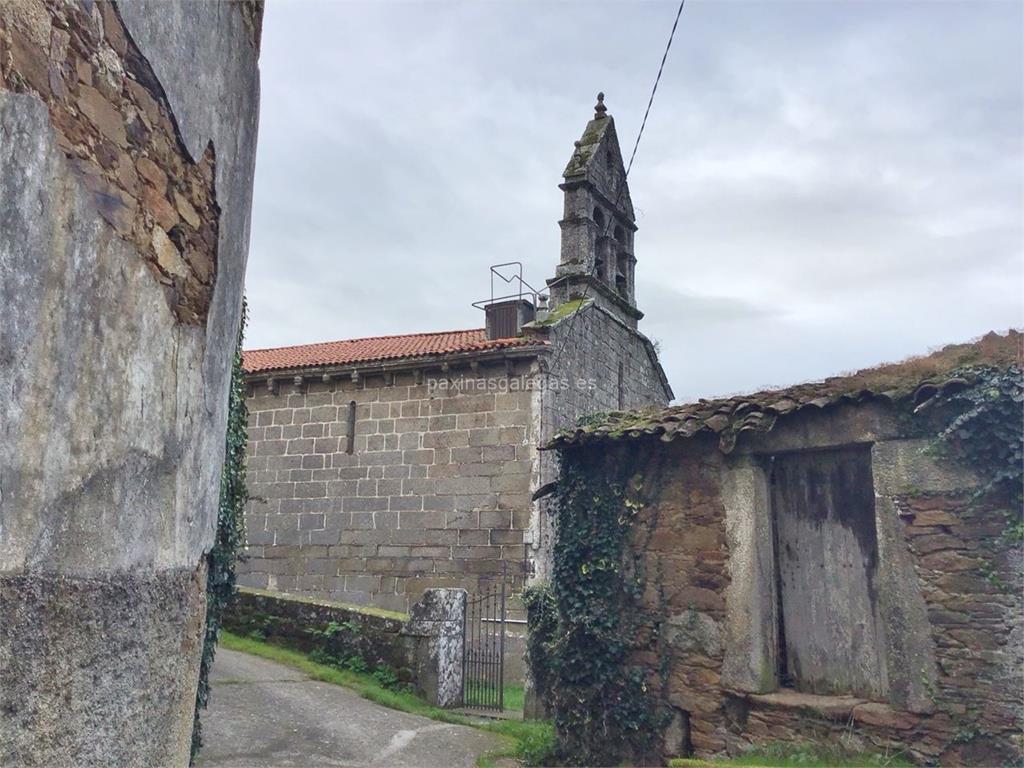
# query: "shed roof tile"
917,380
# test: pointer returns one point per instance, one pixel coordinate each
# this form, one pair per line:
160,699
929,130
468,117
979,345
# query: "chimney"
505,319
542,308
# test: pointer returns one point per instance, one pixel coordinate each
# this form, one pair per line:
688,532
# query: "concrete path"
265,715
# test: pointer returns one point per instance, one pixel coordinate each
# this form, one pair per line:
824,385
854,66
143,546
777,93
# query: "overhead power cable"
654,90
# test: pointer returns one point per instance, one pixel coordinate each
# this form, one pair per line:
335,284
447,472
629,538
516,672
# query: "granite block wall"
431,490
598,364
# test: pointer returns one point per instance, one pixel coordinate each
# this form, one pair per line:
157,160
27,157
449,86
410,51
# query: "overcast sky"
821,186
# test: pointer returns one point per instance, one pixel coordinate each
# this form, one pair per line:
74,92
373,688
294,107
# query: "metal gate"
483,673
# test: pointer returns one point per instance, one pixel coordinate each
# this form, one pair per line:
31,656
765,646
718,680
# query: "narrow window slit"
350,448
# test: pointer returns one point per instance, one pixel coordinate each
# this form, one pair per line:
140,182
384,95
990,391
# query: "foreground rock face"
127,141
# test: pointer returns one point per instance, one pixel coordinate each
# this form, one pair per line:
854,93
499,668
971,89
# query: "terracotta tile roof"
915,381
377,349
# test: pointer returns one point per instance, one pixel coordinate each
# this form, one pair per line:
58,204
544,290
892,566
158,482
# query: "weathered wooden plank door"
831,639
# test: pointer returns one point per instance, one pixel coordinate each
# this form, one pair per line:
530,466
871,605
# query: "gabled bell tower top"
598,223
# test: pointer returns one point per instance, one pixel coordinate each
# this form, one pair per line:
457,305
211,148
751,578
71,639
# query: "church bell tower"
598,224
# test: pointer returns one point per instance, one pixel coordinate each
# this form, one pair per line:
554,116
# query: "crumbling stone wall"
435,493
970,578
112,120
685,565
125,189
954,665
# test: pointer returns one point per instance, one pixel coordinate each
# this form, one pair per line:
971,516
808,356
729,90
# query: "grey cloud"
821,185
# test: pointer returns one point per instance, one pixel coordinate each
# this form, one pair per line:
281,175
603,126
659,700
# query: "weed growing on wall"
581,631
987,434
227,547
337,651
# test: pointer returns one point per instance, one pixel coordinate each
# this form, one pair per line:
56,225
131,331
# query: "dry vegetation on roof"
758,411
990,349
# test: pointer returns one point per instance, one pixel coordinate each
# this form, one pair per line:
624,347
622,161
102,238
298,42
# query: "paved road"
265,715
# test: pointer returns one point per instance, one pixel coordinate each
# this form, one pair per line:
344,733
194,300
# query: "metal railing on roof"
515,277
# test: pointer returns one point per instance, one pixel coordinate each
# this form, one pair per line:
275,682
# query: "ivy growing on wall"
582,623
230,538
542,620
986,432
582,626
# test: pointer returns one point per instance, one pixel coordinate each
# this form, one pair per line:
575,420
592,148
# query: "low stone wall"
298,623
424,650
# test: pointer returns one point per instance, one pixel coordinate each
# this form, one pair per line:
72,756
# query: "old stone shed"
388,465
812,571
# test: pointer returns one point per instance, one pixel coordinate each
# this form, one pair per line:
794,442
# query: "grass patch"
787,755
513,697
528,741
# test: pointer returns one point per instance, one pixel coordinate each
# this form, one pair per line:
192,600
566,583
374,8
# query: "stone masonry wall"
374,636
113,121
436,492
600,365
967,572
971,581
423,649
686,562
122,254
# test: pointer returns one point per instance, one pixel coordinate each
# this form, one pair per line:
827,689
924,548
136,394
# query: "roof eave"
401,364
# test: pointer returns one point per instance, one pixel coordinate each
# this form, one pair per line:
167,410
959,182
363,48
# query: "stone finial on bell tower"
598,224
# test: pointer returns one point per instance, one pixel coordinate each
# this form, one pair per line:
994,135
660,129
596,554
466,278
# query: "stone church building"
385,466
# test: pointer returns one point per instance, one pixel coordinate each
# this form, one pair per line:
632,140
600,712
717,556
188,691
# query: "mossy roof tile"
916,380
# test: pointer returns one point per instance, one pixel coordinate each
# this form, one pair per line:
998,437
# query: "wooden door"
831,638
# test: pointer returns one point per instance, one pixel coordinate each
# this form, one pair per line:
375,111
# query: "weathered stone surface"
94,116
903,466
693,631
751,598
99,670
440,618
111,436
103,115
832,707
884,716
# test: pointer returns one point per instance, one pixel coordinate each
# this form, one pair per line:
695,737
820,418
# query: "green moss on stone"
365,609
562,311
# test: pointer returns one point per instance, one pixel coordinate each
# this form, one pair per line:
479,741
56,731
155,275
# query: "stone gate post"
438,623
